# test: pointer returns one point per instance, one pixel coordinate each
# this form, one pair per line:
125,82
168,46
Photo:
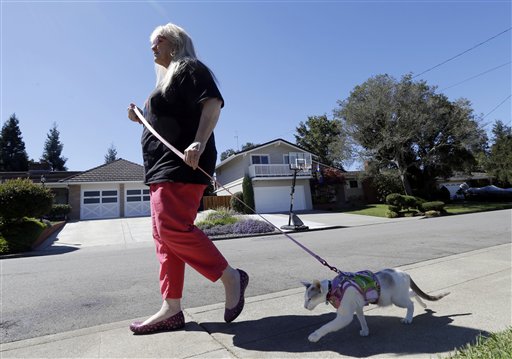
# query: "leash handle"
182,156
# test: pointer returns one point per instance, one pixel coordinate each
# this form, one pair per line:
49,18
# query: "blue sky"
80,63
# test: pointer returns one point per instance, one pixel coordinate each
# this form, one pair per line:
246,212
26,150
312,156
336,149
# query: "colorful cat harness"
365,282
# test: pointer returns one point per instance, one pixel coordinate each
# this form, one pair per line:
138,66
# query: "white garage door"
99,203
137,202
277,199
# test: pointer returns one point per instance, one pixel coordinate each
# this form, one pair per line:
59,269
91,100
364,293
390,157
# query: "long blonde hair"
183,48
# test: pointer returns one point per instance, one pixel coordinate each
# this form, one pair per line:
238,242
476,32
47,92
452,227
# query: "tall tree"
53,150
230,151
324,138
499,161
111,155
13,155
406,126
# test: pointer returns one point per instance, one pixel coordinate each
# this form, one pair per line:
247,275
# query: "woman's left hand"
193,153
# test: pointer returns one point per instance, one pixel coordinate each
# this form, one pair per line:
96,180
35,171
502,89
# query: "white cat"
350,292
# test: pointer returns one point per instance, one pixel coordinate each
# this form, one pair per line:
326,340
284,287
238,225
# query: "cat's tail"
424,295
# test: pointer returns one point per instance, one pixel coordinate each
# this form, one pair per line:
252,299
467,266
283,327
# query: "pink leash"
182,156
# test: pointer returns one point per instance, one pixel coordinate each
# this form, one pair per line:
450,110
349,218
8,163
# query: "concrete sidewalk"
277,325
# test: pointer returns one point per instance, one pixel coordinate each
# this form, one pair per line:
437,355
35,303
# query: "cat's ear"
305,284
317,284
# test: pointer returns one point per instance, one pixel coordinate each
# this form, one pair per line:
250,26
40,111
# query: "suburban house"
268,166
112,190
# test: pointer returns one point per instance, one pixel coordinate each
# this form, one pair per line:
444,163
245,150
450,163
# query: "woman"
184,109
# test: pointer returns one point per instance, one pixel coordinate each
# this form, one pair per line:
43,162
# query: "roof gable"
119,170
259,147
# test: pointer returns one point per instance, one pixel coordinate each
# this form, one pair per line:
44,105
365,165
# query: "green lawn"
379,210
496,346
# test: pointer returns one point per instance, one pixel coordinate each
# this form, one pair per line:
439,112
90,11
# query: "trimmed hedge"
403,205
19,236
21,198
59,212
433,206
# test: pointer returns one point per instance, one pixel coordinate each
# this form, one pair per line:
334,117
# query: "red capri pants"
173,211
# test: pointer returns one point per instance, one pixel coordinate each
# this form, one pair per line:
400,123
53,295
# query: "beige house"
268,166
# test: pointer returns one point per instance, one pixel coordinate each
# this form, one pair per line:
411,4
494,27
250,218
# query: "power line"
462,53
475,76
494,109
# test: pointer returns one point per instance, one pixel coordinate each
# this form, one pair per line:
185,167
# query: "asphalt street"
69,288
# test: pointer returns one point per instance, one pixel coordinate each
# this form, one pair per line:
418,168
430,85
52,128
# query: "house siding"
74,201
232,171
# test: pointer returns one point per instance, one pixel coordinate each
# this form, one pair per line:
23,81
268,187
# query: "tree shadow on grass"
427,335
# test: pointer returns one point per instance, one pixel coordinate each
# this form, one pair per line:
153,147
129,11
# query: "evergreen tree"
53,150
13,156
499,162
111,155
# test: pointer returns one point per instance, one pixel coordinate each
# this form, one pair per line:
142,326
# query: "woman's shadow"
427,334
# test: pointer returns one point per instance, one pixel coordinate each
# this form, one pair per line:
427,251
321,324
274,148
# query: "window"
259,159
137,195
353,184
286,159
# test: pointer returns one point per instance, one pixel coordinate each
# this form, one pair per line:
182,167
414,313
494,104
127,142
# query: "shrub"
219,230
236,204
59,212
219,217
20,235
430,214
395,209
391,214
252,226
21,198
248,194
410,202
433,206
395,199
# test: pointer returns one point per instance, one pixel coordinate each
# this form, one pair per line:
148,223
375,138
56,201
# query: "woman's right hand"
131,113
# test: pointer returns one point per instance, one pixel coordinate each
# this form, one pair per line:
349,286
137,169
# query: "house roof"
36,175
255,148
119,170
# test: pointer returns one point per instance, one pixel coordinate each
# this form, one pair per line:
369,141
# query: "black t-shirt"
175,116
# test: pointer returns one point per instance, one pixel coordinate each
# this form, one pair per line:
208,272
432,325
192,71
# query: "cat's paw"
406,321
364,332
314,337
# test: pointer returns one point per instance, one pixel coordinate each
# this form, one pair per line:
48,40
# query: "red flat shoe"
175,322
233,313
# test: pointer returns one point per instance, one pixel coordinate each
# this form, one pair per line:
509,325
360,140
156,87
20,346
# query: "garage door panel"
277,199
137,202
98,203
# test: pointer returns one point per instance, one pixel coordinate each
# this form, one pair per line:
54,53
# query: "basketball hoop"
298,161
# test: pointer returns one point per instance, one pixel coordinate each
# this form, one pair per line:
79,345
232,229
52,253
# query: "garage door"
137,202
277,199
99,203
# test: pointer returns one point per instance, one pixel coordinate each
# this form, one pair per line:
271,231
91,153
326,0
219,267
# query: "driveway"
130,232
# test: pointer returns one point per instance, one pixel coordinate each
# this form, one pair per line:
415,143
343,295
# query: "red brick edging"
47,232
